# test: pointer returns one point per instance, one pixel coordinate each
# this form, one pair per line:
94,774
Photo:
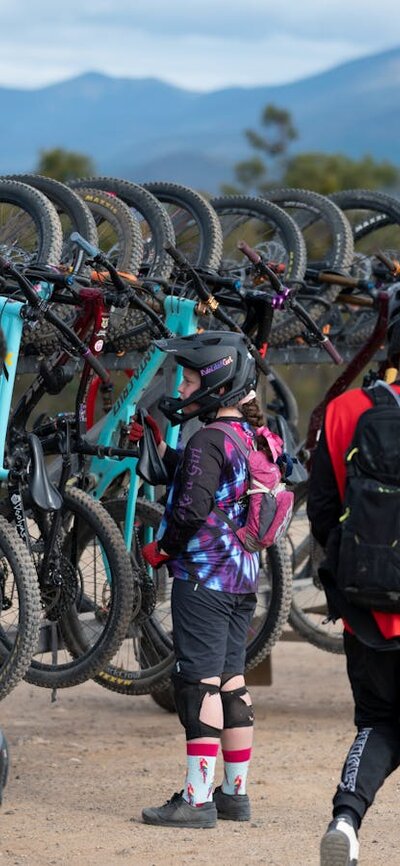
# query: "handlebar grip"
391,264
97,366
251,254
90,249
222,282
176,255
58,280
329,347
322,276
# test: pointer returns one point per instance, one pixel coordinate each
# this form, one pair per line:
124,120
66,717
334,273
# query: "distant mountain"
144,129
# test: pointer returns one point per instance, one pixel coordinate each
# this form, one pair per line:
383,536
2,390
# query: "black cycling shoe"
4,762
177,812
232,807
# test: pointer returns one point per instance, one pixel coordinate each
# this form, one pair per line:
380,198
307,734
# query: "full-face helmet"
224,363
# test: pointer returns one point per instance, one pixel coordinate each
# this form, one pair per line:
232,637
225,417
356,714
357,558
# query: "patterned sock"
201,760
236,766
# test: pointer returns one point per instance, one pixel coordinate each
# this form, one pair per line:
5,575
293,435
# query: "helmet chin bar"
209,403
172,407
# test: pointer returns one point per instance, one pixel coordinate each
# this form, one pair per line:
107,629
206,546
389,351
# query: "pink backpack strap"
242,447
226,428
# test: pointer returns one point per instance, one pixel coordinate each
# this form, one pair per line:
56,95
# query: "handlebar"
217,282
392,265
92,251
261,266
50,275
283,298
44,308
127,291
322,276
213,304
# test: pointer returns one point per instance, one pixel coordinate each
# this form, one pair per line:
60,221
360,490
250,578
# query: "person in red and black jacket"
371,639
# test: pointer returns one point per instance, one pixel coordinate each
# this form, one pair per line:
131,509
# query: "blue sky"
198,45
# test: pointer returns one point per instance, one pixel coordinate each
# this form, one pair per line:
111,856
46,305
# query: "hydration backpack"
270,504
368,571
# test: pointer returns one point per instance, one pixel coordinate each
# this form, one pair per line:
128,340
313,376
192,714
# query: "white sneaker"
339,845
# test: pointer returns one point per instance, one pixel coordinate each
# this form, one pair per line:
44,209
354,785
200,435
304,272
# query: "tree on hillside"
326,173
64,165
321,172
256,173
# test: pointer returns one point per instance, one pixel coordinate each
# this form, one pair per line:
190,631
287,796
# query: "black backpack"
368,570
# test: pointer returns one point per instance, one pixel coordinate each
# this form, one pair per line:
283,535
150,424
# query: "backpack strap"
382,394
226,428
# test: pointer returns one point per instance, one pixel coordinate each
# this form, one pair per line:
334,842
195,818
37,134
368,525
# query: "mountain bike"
80,563
146,656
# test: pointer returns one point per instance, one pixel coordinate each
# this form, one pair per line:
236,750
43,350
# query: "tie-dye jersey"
201,545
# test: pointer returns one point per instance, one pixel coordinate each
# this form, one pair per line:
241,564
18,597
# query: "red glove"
136,431
152,555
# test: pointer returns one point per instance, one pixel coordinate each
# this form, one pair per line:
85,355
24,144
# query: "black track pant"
375,681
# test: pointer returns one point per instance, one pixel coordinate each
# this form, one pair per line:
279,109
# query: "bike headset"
222,360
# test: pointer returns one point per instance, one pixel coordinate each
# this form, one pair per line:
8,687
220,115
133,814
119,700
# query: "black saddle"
43,492
150,467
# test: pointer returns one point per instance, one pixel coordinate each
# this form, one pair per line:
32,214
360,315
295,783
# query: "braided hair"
253,414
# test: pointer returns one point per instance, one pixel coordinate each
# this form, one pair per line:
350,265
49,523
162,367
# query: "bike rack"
286,356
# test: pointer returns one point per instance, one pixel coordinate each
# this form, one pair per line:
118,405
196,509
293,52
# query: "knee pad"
226,677
237,714
188,699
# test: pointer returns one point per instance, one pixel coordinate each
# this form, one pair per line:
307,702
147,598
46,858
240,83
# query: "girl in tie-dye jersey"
214,578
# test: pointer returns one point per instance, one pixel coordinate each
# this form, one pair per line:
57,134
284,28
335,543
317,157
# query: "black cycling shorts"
210,630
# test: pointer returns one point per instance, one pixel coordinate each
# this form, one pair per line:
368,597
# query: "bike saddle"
43,492
150,465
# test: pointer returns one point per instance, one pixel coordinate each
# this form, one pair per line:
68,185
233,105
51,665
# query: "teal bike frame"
12,323
181,319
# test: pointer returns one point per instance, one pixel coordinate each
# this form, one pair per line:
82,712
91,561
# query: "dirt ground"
83,767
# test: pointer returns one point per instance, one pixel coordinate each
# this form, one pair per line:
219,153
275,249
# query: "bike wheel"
147,658
196,225
326,231
73,213
264,226
30,229
375,221
309,611
271,231
86,595
119,234
329,242
156,227
19,609
274,597
120,237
